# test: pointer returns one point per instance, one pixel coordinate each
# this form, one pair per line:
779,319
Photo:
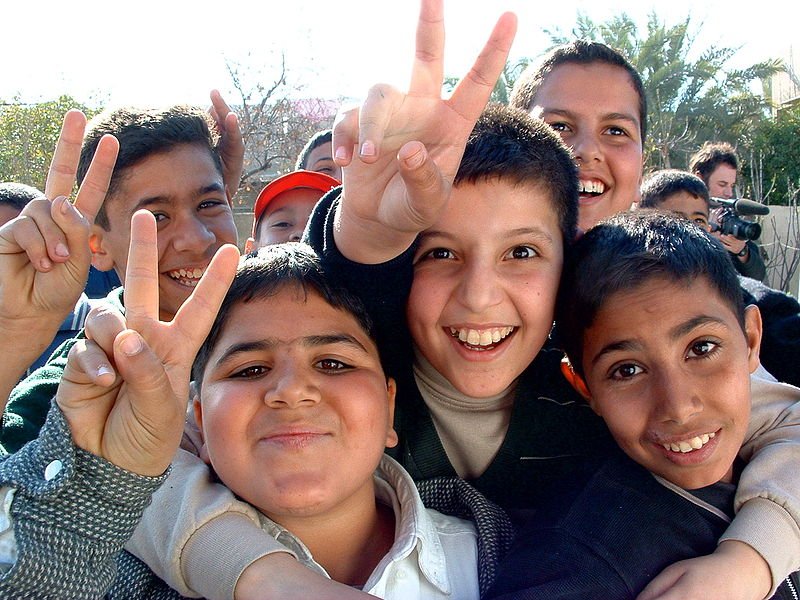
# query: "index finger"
219,108
98,177
64,165
427,73
473,91
141,275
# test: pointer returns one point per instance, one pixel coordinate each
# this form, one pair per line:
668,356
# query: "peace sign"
125,388
408,145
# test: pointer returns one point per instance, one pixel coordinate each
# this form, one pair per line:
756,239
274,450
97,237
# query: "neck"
349,540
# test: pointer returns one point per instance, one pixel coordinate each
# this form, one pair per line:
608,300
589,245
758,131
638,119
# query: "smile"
592,187
186,277
482,339
691,444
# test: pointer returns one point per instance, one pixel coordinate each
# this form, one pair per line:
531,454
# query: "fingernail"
61,250
131,345
367,149
341,153
45,264
104,370
65,204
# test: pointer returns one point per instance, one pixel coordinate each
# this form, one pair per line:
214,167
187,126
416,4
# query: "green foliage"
776,149
29,133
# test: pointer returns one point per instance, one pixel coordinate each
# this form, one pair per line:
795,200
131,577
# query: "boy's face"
688,206
485,282
595,109
320,159
668,368
184,190
721,182
295,409
286,216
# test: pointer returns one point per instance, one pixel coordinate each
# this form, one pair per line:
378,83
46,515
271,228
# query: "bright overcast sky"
167,51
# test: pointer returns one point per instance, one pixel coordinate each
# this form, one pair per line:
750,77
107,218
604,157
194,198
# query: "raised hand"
231,143
401,151
44,253
125,389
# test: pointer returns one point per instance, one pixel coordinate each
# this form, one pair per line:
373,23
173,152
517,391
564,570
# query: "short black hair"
664,183
142,133
321,137
507,143
710,156
582,52
269,270
17,195
627,250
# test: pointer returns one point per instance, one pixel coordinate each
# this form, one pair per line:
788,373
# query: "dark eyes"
437,254
702,348
522,252
250,372
330,364
626,371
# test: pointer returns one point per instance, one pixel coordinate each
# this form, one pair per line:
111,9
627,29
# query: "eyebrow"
535,232
676,332
310,341
612,116
154,200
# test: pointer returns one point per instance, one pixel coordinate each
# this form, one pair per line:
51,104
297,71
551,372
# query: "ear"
576,381
249,245
197,406
752,333
391,392
101,258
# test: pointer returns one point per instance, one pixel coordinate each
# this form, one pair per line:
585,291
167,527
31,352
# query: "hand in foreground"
125,388
408,145
734,571
231,145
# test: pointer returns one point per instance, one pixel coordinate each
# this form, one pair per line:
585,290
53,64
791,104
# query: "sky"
170,51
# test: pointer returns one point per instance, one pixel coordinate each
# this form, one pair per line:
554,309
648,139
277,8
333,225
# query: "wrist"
747,560
743,252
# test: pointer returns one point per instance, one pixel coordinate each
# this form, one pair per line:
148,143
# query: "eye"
617,131
160,216
206,204
437,254
626,371
281,225
559,126
522,252
250,372
332,365
702,349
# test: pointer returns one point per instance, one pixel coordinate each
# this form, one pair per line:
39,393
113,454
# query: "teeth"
694,443
591,187
481,337
188,277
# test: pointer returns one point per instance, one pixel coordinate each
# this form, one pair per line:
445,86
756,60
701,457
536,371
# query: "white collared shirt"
433,556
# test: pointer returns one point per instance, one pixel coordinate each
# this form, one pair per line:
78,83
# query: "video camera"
728,221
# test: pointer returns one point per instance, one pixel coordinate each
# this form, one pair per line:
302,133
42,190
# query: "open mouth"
482,339
591,187
186,277
691,444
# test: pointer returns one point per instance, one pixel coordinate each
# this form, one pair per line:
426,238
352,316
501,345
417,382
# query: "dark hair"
264,273
662,184
321,137
509,144
582,52
142,133
710,156
18,195
627,250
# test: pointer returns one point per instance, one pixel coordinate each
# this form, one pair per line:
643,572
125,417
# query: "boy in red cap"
284,205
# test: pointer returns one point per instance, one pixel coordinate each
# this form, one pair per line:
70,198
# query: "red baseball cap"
292,181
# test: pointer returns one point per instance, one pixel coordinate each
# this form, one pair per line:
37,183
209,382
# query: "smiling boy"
662,348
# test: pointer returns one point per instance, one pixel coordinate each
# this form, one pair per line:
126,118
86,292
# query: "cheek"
426,300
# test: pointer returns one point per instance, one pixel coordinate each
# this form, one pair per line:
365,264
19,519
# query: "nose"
479,287
193,235
586,147
296,235
678,399
292,386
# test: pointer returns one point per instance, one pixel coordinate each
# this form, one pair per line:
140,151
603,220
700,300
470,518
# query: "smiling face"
286,216
295,409
184,190
595,109
668,368
485,282
688,206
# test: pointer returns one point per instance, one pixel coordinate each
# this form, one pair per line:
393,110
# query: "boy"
284,205
678,192
717,165
662,348
317,155
169,162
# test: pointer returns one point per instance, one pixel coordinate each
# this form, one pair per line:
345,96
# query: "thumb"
426,189
146,425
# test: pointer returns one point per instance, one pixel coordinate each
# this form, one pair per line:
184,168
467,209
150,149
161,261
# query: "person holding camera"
717,165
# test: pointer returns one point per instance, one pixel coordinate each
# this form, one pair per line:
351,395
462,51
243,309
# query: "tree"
689,101
276,123
775,150
29,133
